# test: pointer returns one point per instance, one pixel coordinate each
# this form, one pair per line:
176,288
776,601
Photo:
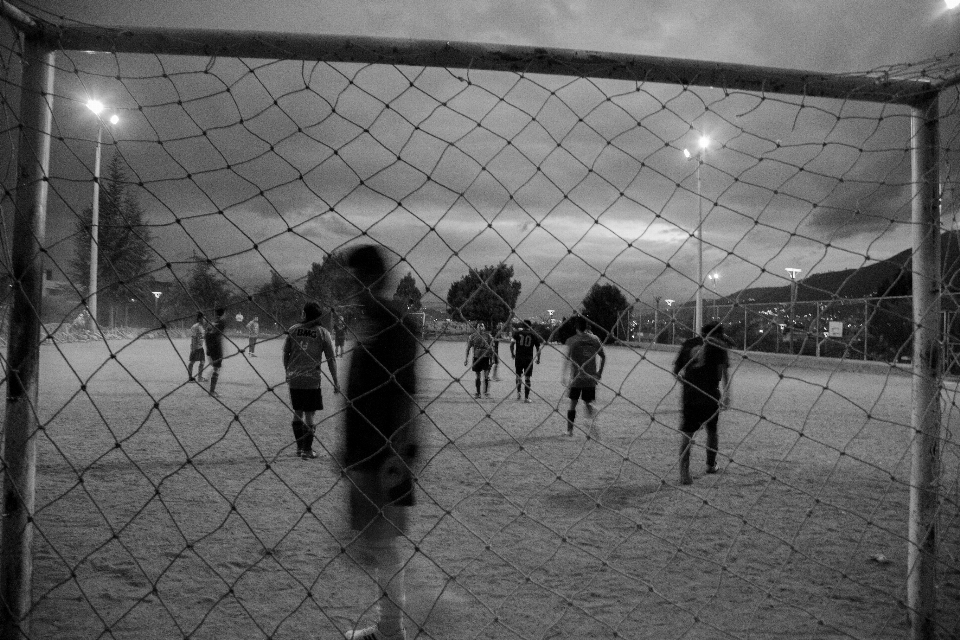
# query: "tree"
408,295
123,240
605,306
488,295
202,290
330,283
280,299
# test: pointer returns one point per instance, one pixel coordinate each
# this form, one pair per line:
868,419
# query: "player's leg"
686,442
589,396
200,362
486,381
713,441
476,382
377,551
215,376
309,429
572,411
190,377
528,374
298,425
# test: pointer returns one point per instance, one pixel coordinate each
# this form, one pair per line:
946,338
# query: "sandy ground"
165,513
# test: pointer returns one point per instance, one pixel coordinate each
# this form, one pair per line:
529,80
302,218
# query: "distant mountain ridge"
859,283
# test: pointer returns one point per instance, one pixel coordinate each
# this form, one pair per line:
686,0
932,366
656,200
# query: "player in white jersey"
196,348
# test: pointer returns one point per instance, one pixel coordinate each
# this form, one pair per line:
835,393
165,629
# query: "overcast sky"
440,185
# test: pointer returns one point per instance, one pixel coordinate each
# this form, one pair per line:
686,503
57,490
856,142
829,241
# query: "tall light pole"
97,107
703,143
715,276
793,271
673,324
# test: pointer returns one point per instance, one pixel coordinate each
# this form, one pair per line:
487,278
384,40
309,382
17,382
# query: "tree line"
126,274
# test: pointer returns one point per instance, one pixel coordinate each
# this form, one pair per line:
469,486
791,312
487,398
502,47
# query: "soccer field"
165,513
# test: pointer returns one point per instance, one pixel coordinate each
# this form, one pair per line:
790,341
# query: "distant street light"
703,143
673,324
97,107
793,271
952,4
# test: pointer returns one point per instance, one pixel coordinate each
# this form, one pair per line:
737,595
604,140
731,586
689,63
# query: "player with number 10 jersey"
524,344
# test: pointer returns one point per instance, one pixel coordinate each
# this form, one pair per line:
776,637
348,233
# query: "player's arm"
513,347
725,384
331,357
602,356
287,350
466,356
566,371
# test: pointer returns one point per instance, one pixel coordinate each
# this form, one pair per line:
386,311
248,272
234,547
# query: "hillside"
857,283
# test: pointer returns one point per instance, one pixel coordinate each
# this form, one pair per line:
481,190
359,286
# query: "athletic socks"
213,382
298,433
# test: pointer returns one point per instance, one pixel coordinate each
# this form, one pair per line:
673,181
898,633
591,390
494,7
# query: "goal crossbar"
488,57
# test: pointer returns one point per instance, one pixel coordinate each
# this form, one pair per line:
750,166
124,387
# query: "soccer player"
524,343
582,373
702,368
304,349
340,334
497,335
482,344
213,337
381,443
196,348
253,332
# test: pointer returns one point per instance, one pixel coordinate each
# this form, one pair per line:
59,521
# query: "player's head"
368,266
311,311
580,324
712,330
481,326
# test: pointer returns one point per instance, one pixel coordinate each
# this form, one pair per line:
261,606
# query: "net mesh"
240,183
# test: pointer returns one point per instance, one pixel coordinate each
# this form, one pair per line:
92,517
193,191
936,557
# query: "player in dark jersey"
304,348
523,346
702,368
482,344
585,362
213,339
381,441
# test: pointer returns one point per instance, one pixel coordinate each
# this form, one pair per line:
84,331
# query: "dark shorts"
523,367
587,394
306,399
216,360
694,415
197,355
481,364
338,341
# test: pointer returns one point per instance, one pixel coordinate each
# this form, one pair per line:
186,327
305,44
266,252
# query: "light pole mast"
97,107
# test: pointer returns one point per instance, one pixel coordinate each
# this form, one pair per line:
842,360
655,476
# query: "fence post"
23,356
927,365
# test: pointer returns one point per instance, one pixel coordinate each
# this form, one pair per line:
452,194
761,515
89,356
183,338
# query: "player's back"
526,343
583,349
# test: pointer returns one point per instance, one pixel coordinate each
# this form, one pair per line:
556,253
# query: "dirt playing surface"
165,513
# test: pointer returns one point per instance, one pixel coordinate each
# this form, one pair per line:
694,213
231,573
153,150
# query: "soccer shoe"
308,454
477,396
201,379
518,397
685,478
527,400
714,469
373,633
486,395
190,379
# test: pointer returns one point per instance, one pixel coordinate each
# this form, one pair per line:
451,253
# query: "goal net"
507,185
